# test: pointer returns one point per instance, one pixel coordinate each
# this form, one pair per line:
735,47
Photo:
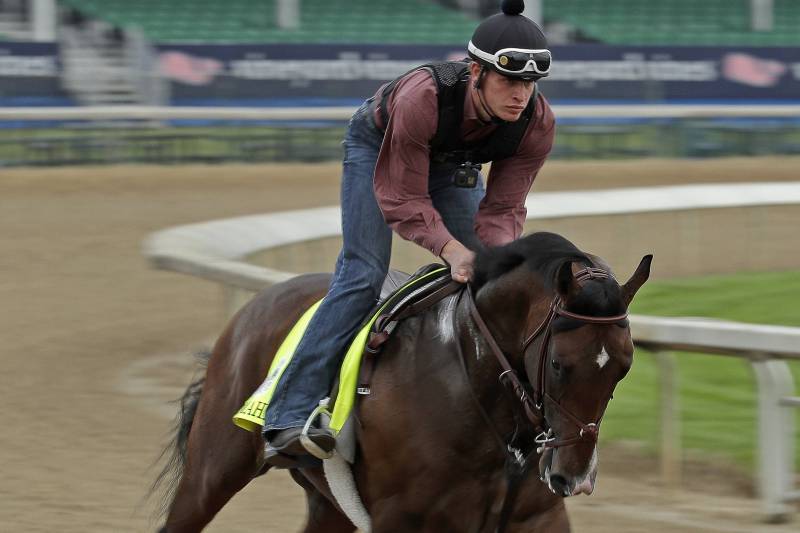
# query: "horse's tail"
175,450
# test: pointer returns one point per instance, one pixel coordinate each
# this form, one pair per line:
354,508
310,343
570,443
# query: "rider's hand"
460,259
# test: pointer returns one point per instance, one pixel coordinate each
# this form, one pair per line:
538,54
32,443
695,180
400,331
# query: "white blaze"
602,358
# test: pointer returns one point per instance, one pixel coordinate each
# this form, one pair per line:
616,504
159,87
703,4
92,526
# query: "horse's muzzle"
563,484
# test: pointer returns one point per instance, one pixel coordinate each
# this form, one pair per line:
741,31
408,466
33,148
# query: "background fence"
168,135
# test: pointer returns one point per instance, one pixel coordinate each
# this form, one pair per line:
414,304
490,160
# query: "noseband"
534,407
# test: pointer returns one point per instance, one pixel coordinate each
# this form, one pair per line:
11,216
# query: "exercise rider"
411,164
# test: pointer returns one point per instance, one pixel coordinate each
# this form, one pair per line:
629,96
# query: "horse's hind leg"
220,460
202,492
323,515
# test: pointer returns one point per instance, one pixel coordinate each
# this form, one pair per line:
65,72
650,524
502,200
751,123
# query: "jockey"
412,158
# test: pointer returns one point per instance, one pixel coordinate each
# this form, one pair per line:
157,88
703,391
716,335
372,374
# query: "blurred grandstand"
306,53
679,22
256,21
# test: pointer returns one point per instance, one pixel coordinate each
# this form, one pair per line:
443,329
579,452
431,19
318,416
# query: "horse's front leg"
395,522
551,520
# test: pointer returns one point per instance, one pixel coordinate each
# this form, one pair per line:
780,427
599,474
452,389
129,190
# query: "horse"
484,409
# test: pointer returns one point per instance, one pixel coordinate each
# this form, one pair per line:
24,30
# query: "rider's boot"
285,449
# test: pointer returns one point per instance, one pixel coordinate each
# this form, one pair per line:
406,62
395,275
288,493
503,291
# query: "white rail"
343,113
216,251
213,250
767,348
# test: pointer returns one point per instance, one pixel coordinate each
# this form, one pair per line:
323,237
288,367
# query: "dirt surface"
95,344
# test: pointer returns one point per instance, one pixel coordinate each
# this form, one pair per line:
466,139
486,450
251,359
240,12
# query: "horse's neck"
511,306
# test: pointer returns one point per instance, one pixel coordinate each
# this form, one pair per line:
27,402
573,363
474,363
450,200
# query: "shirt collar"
471,111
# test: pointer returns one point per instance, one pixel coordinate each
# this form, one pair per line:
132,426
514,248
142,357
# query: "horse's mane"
542,252
545,253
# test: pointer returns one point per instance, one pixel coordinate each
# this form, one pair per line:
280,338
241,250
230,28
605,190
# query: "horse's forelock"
597,297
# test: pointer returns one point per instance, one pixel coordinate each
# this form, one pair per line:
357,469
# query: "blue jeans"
360,270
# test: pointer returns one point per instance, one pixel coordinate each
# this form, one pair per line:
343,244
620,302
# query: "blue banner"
287,75
322,74
274,75
674,74
30,75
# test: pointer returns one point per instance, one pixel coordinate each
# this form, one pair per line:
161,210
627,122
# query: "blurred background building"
735,63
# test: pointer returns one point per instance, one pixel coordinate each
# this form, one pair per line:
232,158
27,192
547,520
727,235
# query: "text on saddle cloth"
251,416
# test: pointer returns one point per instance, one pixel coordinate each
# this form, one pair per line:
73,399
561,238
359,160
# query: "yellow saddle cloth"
251,415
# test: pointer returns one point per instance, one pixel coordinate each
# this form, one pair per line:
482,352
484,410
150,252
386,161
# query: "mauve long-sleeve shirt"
401,172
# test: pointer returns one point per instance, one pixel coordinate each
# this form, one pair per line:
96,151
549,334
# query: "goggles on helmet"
516,60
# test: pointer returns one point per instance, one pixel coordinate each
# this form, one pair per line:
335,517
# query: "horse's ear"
637,279
564,279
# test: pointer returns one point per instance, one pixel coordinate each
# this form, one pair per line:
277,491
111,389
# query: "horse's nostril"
559,484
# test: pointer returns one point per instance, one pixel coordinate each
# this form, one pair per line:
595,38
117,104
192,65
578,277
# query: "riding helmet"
510,31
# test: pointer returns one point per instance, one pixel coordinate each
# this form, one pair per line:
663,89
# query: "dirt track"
95,344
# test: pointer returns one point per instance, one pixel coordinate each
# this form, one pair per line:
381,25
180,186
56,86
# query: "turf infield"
717,394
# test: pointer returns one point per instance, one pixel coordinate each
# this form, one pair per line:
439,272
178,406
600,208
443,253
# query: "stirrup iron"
324,414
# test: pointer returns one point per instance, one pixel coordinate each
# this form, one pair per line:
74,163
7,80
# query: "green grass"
717,394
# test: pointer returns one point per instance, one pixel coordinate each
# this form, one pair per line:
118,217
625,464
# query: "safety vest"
447,145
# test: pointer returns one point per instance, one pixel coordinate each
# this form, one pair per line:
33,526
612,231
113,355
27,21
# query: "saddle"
401,297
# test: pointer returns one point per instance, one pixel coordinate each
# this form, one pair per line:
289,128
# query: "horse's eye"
556,364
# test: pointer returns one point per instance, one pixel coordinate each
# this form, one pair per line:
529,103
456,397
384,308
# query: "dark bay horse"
442,445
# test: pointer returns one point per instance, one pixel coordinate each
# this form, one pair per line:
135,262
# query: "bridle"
533,407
